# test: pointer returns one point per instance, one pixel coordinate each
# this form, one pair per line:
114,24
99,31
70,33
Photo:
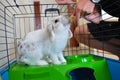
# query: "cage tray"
63,71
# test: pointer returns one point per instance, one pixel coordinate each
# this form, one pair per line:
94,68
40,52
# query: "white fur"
45,46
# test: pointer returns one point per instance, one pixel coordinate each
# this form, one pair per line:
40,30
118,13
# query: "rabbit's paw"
55,59
63,61
56,62
27,61
61,58
42,62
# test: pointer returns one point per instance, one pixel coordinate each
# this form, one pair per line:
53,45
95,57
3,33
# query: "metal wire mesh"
16,22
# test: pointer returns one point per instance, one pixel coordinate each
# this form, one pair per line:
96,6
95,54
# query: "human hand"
86,9
64,1
94,17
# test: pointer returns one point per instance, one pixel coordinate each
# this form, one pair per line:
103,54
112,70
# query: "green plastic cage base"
61,72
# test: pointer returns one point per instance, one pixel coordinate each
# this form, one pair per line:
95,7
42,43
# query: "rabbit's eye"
56,20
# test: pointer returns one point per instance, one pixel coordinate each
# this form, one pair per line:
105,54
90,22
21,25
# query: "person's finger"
83,14
78,14
74,13
87,10
95,18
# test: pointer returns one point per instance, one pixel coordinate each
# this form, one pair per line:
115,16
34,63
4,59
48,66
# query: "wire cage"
18,20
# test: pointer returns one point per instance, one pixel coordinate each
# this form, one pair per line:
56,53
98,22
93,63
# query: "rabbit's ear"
70,35
50,26
50,29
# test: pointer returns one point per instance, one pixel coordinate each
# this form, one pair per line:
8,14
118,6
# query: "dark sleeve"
111,7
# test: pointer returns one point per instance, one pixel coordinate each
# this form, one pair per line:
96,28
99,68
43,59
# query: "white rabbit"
47,43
